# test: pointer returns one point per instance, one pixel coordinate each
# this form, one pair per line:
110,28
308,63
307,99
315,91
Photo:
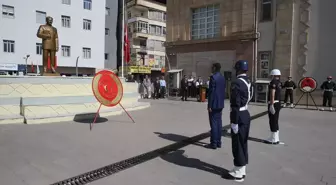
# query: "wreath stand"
308,94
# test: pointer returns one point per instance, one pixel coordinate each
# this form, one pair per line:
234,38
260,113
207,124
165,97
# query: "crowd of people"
190,87
154,89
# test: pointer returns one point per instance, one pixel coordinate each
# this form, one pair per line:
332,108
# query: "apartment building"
147,32
80,25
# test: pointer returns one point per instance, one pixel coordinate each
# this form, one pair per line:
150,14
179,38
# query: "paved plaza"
47,153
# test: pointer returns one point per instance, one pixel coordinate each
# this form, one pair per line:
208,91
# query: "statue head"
49,20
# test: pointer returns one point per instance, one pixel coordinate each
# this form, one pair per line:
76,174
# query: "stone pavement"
44,154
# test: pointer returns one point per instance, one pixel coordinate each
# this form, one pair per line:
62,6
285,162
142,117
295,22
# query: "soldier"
274,105
289,85
241,94
328,88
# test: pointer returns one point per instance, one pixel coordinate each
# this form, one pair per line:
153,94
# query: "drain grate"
128,163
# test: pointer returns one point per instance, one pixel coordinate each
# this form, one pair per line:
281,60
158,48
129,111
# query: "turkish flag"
126,45
49,65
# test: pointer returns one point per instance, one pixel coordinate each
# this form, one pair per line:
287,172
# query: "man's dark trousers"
215,117
239,140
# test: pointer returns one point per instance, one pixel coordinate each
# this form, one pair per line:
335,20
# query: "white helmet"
275,72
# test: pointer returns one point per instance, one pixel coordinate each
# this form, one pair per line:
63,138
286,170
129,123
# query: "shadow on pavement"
88,118
179,158
177,138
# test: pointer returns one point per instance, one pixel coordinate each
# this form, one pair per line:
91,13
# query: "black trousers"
327,97
239,141
289,94
156,93
189,91
274,118
184,94
162,92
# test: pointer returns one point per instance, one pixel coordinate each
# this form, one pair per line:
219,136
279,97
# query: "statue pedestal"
45,99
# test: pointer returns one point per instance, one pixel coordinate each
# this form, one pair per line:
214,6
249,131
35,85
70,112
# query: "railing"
146,31
149,18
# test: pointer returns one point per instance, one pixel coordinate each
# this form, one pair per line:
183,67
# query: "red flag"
126,45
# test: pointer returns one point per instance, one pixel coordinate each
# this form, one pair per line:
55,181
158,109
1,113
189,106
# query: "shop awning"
175,70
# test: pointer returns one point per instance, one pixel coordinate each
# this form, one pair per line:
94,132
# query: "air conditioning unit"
261,88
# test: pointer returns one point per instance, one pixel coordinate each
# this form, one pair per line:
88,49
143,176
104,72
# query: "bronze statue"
49,37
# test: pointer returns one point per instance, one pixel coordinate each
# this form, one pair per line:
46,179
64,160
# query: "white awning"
262,81
175,70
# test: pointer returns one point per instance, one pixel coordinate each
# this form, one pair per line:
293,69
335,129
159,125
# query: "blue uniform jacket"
216,91
239,97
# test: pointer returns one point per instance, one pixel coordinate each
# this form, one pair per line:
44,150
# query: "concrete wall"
322,40
23,28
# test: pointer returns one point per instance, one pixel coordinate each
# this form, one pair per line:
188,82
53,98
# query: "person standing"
274,106
241,94
289,85
162,87
328,88
156,88
190,84
147,84
184,88
199,83
216,105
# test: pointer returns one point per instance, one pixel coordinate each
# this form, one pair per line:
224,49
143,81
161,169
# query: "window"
41,17
266,10
87,53
66,21
129,15
107,31
8,46
38,48
264,64
7,11
142,27
68,2
158,30
86,24
164,31
156,15
66,51
205,22
107,11
106,56
87,4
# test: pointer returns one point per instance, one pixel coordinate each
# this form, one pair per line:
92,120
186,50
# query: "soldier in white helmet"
274,105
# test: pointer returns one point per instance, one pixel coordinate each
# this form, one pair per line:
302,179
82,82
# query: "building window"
107,31
266,10
88,4
106,56
164,31
68,2
41,17
7,11
129,15
8,46
87,53
66,51
142,27
205,22
38,48
264,64
156,15
107,11
86,24
66,21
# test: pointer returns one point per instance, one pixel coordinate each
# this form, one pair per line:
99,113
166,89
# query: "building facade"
201,33
147,32
80,25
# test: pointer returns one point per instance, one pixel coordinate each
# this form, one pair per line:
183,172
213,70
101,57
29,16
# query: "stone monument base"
45,99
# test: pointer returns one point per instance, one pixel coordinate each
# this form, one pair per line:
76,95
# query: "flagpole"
123,39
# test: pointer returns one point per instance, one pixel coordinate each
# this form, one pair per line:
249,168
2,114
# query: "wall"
322,40
111,40
23,29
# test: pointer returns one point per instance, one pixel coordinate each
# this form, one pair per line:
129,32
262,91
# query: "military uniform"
289,85
328,87
241,94
274,117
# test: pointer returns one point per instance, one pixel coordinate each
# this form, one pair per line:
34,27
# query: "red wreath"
307,84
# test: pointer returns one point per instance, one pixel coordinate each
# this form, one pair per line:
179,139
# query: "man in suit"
184,88
216,105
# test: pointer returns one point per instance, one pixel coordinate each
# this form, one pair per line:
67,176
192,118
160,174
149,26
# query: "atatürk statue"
49,37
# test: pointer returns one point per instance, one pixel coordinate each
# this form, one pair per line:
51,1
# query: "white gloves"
271,109
234,128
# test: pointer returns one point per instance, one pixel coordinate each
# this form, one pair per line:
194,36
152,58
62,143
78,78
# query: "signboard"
137,69
8,67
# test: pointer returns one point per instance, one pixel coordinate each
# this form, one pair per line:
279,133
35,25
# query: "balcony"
154,21
146,4
143,33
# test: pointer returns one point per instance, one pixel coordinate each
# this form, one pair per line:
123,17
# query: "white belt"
243,108
290,88
329,90
275,101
